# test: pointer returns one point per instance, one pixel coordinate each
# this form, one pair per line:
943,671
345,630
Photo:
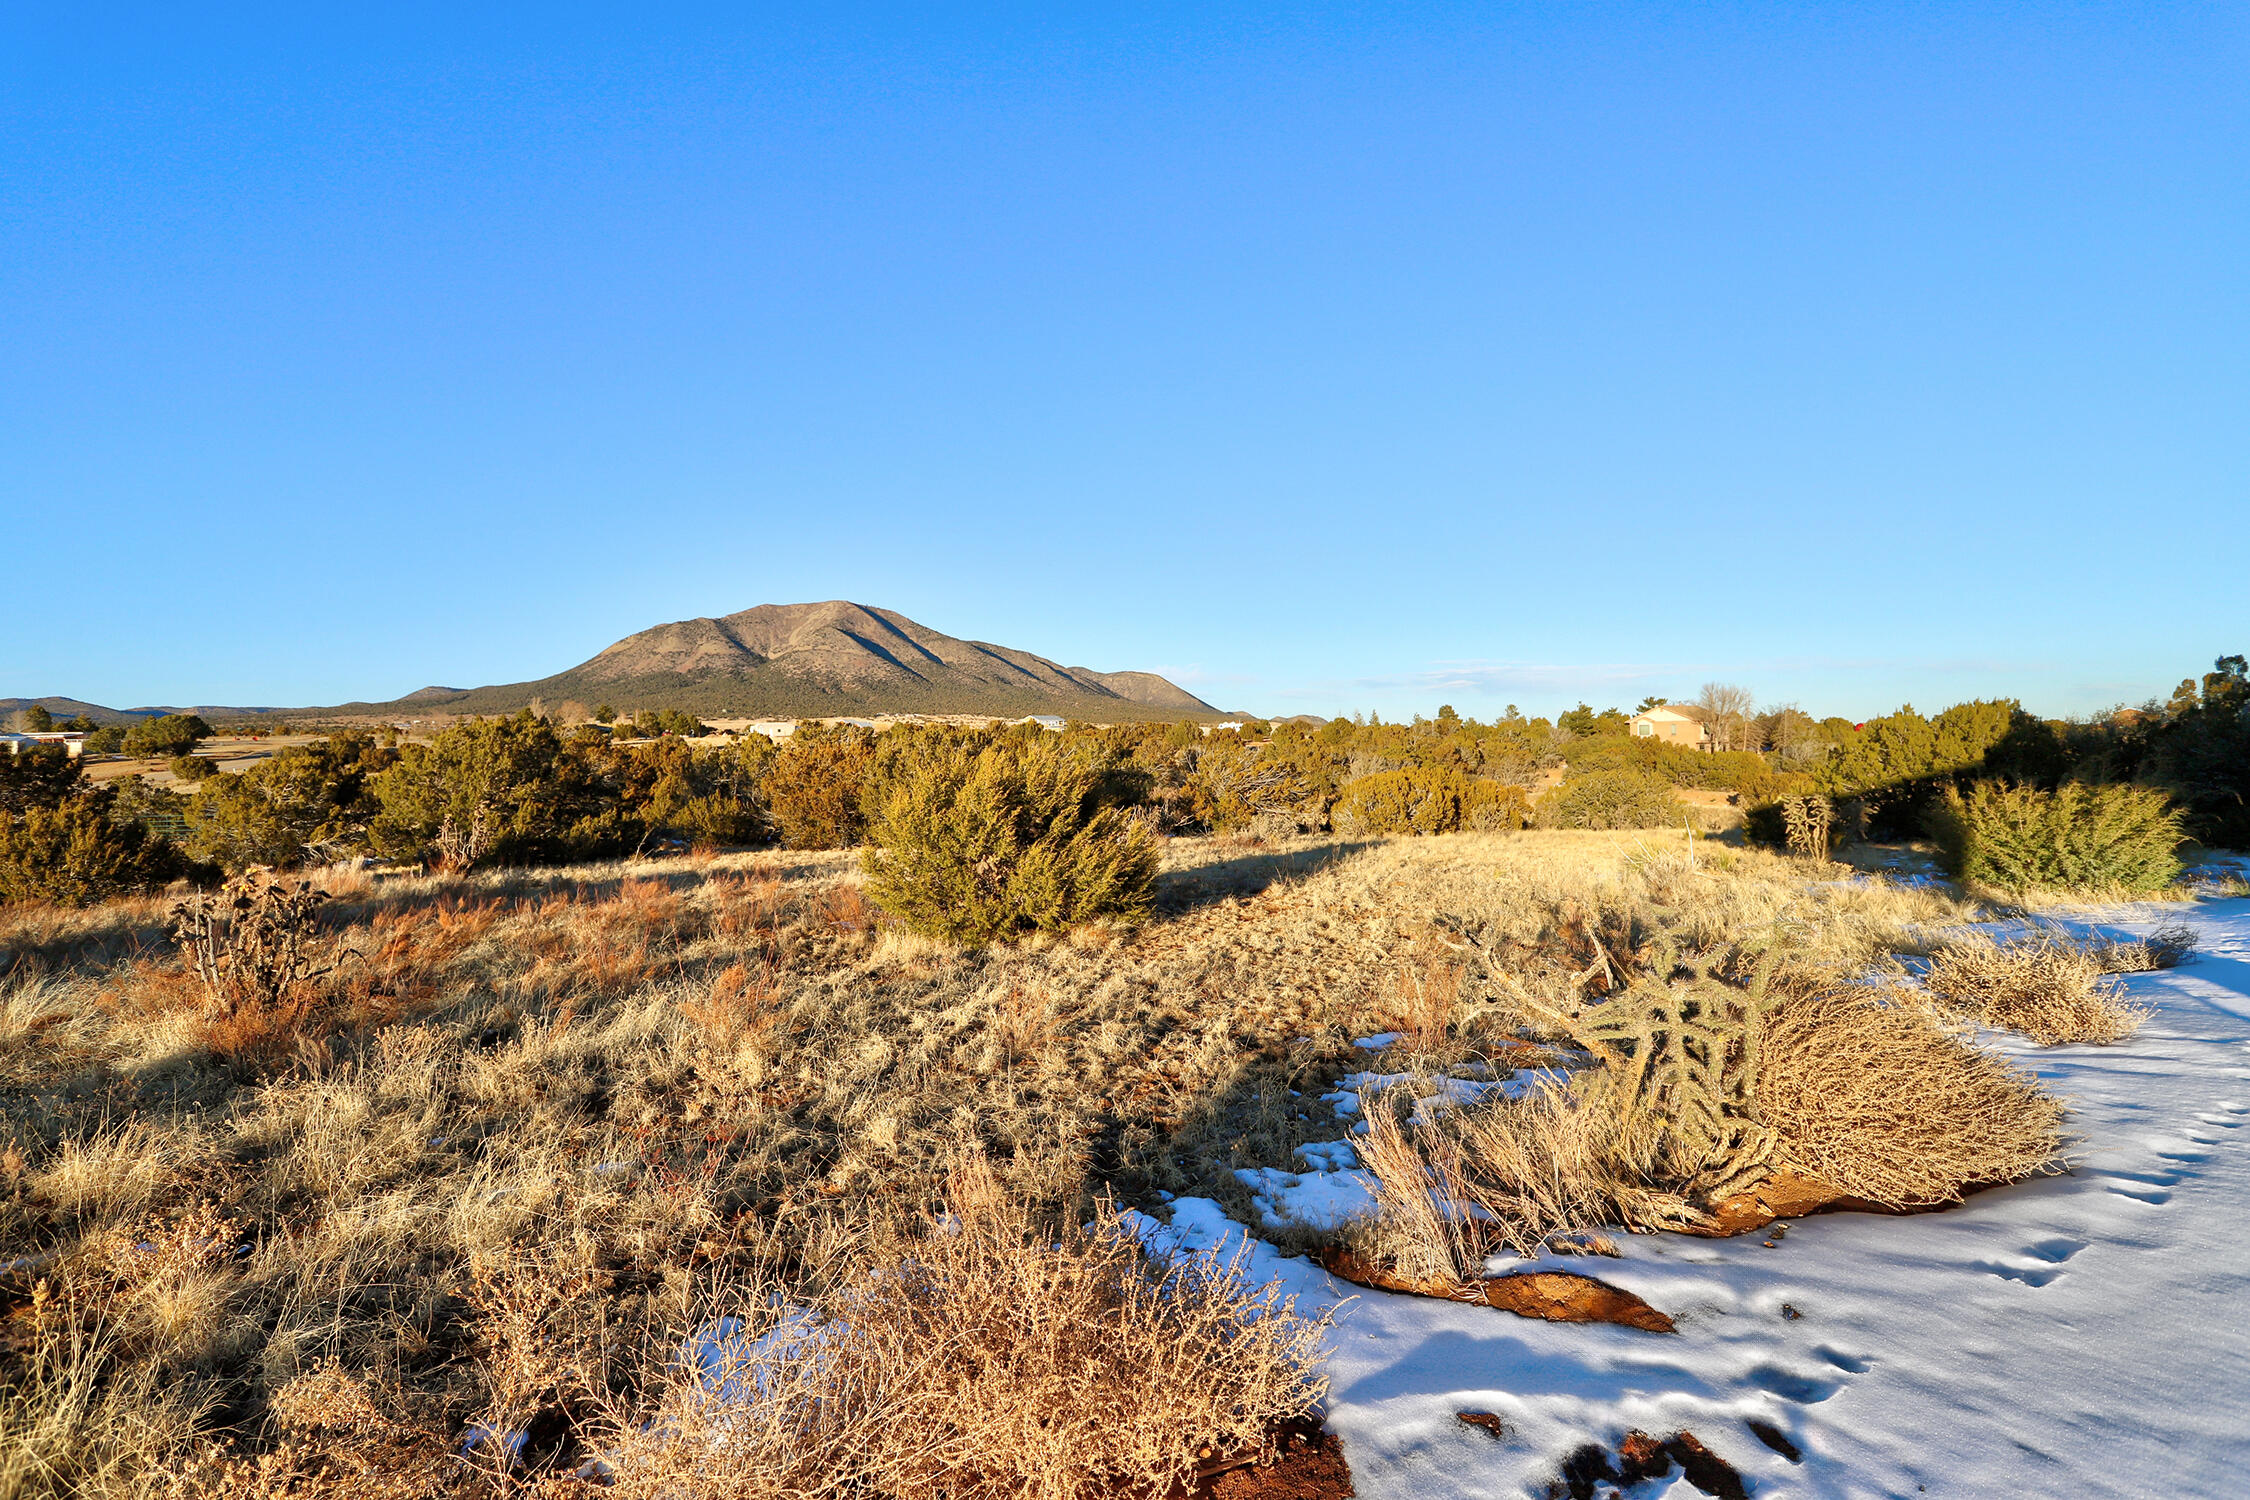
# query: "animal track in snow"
2028,1275
2048,1257
1791,1386
1851,1364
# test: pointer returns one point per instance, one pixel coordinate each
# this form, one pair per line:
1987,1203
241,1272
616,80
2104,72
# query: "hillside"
70,708
817,660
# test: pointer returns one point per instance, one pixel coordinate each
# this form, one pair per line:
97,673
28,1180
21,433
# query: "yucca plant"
2077,837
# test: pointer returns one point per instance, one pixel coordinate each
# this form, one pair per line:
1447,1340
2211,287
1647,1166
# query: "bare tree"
1730,708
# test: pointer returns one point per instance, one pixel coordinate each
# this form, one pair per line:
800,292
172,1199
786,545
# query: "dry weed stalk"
459,848
1808,822
540,1348
1426,1004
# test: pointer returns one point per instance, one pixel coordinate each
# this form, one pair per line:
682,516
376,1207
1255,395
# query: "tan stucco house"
1675,724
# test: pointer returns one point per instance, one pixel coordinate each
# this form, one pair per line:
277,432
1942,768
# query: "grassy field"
529,1128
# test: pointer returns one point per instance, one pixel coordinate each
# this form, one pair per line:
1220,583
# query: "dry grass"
1875,1095
2046,986
1457,1185
2165,948
635,1079
985,1356
1868,1093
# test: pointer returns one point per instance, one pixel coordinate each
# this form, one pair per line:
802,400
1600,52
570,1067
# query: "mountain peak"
833,657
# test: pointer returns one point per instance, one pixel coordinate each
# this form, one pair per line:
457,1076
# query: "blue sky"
1325,358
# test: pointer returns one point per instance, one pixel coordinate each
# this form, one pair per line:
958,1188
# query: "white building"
72,741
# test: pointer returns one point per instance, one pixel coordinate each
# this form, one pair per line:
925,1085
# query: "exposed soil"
1554,1296
1792,1195
1310,1467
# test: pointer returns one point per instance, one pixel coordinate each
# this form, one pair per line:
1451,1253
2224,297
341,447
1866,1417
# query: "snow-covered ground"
2082,1335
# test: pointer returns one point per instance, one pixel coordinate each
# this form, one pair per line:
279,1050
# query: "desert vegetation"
533,1107
2014,802
2049,986
461,1181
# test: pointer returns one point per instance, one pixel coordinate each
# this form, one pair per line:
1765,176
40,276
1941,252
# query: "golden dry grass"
1501,1175
633,1080
1873,1094
2046,986
986,1357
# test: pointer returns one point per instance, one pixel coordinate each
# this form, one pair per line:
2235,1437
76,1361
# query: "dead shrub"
1883,1100
985,1357
539,1348
2165,948
2045,986
343,1438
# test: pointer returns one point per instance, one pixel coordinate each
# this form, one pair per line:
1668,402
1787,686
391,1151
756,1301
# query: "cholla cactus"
1679,1054
1809,822
250,943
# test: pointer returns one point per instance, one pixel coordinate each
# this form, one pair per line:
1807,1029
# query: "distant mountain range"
786,661
71,708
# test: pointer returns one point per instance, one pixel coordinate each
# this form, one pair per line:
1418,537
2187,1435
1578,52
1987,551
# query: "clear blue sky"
1324,358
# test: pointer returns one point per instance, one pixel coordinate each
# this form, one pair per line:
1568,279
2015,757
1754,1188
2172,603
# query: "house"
72,741
1675,724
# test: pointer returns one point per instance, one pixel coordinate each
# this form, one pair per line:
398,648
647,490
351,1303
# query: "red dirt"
1555,1296
1310,1467
1792,1195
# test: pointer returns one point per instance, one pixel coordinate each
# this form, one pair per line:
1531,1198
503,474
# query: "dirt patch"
1554,1296
1310,1466
1792,1195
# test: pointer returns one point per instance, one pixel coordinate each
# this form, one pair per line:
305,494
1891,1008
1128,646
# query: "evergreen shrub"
74,854
42,776
1429,799
981,838
815,785
1611,799
2076,837
170,735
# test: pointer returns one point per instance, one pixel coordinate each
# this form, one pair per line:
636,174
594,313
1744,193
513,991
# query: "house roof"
1676,710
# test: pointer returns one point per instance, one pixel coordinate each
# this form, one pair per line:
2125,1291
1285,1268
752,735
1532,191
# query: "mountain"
832,659
71,708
